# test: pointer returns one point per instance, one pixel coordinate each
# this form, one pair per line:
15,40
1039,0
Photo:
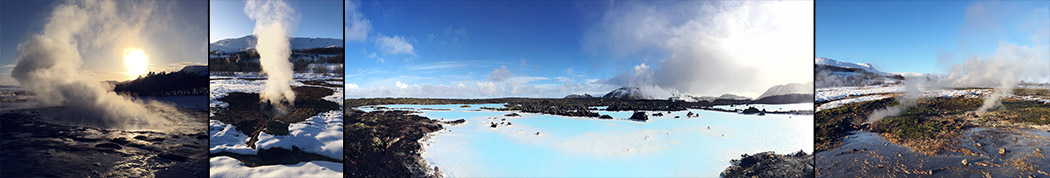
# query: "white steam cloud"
1003,70
709,48
274,22
913,87
48,63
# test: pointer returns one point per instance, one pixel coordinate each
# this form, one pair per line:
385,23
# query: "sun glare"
136,61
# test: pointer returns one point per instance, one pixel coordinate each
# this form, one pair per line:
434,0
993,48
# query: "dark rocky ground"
934,137
244,111
32,147
386,144
770,164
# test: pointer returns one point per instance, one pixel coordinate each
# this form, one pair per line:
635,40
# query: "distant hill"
632,93
191,80
833,73
234,45
315,55
579,96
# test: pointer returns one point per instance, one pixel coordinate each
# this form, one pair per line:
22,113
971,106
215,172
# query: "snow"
837,103
225,137
224,166
321,134
836,93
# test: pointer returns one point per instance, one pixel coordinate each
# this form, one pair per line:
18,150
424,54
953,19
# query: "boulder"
639,116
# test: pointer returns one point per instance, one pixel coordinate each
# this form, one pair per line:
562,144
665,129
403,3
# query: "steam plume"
274,21
913,87
48,63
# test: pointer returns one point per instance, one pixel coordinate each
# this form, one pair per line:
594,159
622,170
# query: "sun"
136,61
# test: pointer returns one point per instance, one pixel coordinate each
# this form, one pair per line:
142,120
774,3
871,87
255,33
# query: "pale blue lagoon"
591,147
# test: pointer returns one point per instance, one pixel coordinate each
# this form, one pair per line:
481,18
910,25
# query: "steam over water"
48,63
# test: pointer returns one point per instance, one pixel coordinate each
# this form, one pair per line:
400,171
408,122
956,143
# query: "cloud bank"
710,48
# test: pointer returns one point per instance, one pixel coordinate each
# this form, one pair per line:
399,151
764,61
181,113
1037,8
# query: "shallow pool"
538,145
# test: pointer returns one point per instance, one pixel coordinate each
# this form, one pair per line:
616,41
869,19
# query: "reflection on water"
549,145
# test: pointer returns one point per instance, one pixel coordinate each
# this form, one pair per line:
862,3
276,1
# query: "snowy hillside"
833,73
627,93
787,89
247,42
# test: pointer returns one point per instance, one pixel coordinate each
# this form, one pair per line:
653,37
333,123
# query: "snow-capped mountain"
626,93
832,73
787,89
248,42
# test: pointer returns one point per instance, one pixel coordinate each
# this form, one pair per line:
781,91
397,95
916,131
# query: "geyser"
274,21
48,64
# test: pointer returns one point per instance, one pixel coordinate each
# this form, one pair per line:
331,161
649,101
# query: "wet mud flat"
33,147
994,152
246,113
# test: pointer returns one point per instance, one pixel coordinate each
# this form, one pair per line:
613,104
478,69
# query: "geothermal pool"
578,146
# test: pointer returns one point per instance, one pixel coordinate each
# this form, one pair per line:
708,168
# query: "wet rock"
964,162
512,115
276,127
465,106
1002,151
605,117
770,164
121,140
456,122
751,110
493,125
109,145
172,157
658,114
639,116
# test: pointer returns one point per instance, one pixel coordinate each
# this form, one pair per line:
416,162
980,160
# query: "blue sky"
317,18
926,36
172,35
487,49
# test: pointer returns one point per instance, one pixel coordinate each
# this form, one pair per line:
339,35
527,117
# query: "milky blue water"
578,146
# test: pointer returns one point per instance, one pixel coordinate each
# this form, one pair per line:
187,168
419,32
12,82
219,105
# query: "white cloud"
395,45
712,48
499,74
351,86
358,26
401,85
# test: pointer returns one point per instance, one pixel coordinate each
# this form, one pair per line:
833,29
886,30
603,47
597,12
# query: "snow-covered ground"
222,166
838,96
837,93
837,103
320,134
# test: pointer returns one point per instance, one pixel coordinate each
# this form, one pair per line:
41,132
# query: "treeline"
164,84
327,59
